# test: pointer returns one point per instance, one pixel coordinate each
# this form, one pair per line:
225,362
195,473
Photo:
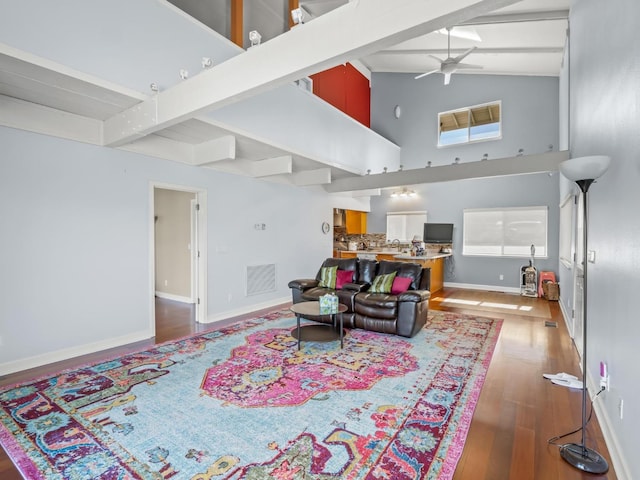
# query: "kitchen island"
434,261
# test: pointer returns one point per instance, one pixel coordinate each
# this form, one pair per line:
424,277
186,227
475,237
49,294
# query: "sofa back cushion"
367,270
341,263
402,269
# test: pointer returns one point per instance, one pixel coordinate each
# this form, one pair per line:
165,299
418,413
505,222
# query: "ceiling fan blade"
447,78
460,66
435,58
426,73
464,54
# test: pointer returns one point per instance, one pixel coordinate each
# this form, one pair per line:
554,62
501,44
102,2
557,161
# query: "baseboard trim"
218,317
67,353
473,286
176,298
620,464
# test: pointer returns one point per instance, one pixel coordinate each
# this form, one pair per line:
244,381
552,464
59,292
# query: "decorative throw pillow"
342,277
400,285
383,283
328,277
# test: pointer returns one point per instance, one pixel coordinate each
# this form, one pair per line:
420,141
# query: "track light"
206,62
184,74
255,38
297,15
404,193
154,87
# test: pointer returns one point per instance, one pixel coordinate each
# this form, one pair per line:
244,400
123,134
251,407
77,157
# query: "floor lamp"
583,171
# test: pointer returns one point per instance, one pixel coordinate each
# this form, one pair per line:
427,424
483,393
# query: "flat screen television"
438,233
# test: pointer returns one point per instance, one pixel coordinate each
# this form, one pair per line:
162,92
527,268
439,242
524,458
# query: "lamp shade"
585,168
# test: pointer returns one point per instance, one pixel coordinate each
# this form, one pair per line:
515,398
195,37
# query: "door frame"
200,228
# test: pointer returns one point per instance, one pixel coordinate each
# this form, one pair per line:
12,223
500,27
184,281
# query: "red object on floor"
545,277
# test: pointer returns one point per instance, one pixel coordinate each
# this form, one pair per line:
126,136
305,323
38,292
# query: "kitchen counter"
433,261
406,256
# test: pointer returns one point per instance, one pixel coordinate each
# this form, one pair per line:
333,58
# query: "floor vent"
261,279
549,323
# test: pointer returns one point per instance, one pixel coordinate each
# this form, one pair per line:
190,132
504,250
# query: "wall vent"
261,279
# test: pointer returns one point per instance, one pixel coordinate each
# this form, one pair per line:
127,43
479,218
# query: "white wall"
75,259
605,114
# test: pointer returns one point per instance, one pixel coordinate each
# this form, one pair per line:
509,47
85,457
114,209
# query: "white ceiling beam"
272,166
161,147
354,30
216,150
36,118
372,192
477,51
321,176
541,16
546,162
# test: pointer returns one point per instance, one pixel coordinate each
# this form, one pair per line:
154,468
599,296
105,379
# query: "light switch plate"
591,256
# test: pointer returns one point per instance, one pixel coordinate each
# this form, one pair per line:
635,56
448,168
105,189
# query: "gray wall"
529,113
605,114
444,203
76,261
530,121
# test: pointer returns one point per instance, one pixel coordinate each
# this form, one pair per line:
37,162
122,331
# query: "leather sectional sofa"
402,311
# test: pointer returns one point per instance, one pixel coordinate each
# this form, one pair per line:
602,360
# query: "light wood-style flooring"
518,410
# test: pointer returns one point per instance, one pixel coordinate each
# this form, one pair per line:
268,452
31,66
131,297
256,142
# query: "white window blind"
505,232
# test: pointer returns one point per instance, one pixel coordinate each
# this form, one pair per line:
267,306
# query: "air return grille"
261,279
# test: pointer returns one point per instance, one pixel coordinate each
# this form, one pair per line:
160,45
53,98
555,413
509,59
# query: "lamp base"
583,458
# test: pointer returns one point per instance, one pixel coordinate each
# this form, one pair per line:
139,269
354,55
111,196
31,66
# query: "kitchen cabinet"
356,222
345,254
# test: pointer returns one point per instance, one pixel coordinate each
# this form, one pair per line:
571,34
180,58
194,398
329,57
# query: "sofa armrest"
416,296
356,287
303,283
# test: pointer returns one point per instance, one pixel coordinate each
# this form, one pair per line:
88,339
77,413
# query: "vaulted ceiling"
45,96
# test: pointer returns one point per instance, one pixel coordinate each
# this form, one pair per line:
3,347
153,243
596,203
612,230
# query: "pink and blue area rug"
243,403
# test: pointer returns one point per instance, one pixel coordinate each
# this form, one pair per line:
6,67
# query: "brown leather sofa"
401,314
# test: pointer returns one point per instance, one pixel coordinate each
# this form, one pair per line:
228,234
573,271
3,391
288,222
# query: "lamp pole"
579,455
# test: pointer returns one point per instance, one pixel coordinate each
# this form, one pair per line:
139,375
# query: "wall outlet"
501,276
229,297
591,257
604,383
166,282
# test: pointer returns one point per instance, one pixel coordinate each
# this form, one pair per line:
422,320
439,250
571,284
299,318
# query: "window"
404,225
505,232
470,124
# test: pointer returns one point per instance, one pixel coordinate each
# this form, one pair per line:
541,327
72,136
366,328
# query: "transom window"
470,124
505,232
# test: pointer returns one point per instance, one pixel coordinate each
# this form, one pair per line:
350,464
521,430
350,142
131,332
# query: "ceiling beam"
546,162
321,176
541,16
477,51
351,31
272,166
216,150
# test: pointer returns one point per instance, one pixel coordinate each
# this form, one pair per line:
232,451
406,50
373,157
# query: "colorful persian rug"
243,403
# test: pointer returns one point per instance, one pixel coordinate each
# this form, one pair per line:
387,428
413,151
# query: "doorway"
178,249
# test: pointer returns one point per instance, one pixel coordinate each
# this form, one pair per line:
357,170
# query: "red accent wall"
347,89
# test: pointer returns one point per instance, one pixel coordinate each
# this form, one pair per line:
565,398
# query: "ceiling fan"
451,65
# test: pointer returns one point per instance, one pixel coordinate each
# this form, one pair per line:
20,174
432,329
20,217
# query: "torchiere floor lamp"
583,171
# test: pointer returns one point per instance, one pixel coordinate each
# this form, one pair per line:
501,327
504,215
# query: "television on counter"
438,233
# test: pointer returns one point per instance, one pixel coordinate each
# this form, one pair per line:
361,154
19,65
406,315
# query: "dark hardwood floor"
518,411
